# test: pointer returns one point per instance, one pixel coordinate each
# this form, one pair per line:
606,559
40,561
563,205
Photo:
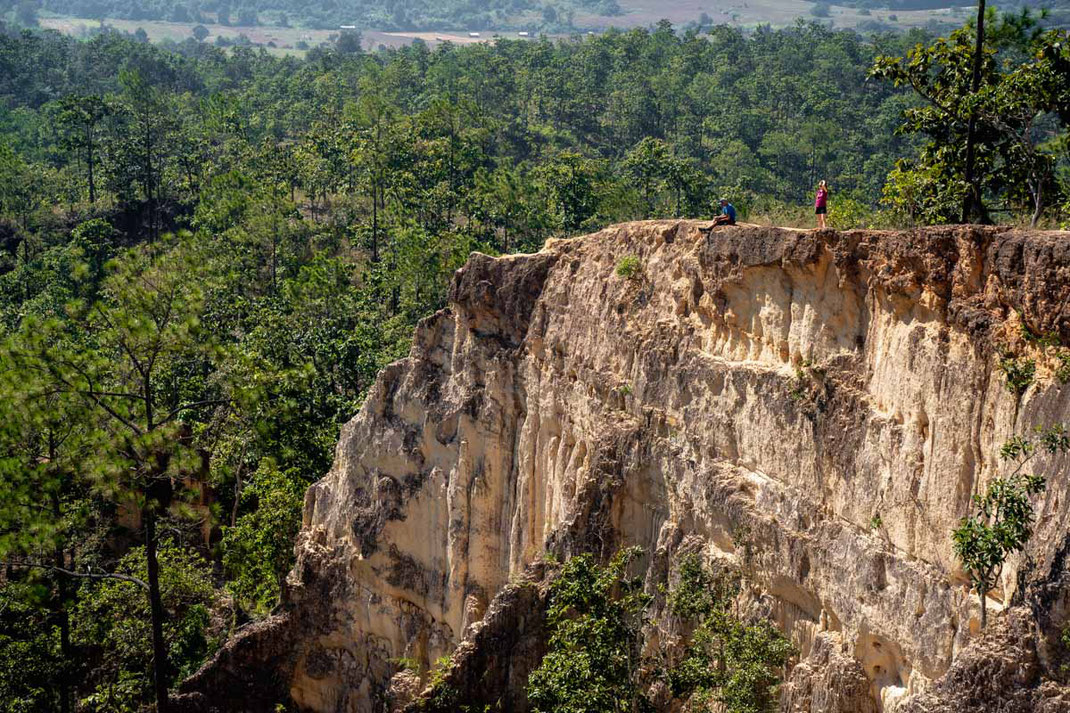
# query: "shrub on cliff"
729,660
629,267
594,662
1002,519
595,618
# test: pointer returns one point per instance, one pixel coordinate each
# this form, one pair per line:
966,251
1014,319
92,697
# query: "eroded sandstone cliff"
815,408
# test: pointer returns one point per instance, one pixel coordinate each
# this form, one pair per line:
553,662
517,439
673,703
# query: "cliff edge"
814,408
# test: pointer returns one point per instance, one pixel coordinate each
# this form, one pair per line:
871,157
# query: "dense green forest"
206,256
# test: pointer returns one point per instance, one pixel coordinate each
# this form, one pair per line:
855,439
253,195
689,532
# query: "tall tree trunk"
1038,202
89,165
59,560
65,652
984,608
375,221
159,649
973,208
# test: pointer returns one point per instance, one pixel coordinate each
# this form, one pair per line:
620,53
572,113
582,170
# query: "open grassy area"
753,12
278,40
637,13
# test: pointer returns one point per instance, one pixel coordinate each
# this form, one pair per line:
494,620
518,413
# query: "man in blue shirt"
728,214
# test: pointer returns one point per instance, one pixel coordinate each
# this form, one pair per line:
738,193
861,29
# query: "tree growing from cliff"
729,661
1002,519
595,663
595,617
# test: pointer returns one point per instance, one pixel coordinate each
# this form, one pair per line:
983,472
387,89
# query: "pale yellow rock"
817,409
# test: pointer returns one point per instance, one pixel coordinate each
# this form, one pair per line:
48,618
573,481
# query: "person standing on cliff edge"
821,204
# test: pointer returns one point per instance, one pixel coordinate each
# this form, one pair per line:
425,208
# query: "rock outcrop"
813,408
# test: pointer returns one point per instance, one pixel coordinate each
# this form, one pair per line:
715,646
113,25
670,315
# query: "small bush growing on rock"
1002,518
1062,371
1064,639
407,664
629,267
1048,339
1019,373
443,695
875,522
798,386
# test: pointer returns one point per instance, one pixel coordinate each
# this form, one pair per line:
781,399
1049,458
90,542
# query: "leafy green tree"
28,657
982,120
375,118
79,118
114,620
595,615
140,151
728,661
650,164
258,549
20,193
1002,519
130,362
572,184
45,515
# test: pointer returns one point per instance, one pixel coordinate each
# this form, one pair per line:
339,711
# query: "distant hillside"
399,15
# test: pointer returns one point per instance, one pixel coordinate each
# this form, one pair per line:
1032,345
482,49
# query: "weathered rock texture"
815,408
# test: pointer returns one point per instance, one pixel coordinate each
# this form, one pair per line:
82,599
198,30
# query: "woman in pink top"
821,204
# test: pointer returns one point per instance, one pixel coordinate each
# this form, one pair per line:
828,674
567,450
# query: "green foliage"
1019,373
1064,639
1002,519
1062,370
111,619
1044,341
594,617
629,267
258,549
728,661
29,650
846,213
820,9
1024,79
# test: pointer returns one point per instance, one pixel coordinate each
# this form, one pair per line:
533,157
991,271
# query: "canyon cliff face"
814,409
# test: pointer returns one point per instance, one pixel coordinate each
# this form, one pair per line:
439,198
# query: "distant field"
285,39
753,12
637,13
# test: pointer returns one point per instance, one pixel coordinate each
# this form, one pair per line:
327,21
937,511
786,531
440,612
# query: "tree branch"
80,575
195,404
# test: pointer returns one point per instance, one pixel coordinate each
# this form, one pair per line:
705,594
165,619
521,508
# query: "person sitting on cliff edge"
727,217
728,214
